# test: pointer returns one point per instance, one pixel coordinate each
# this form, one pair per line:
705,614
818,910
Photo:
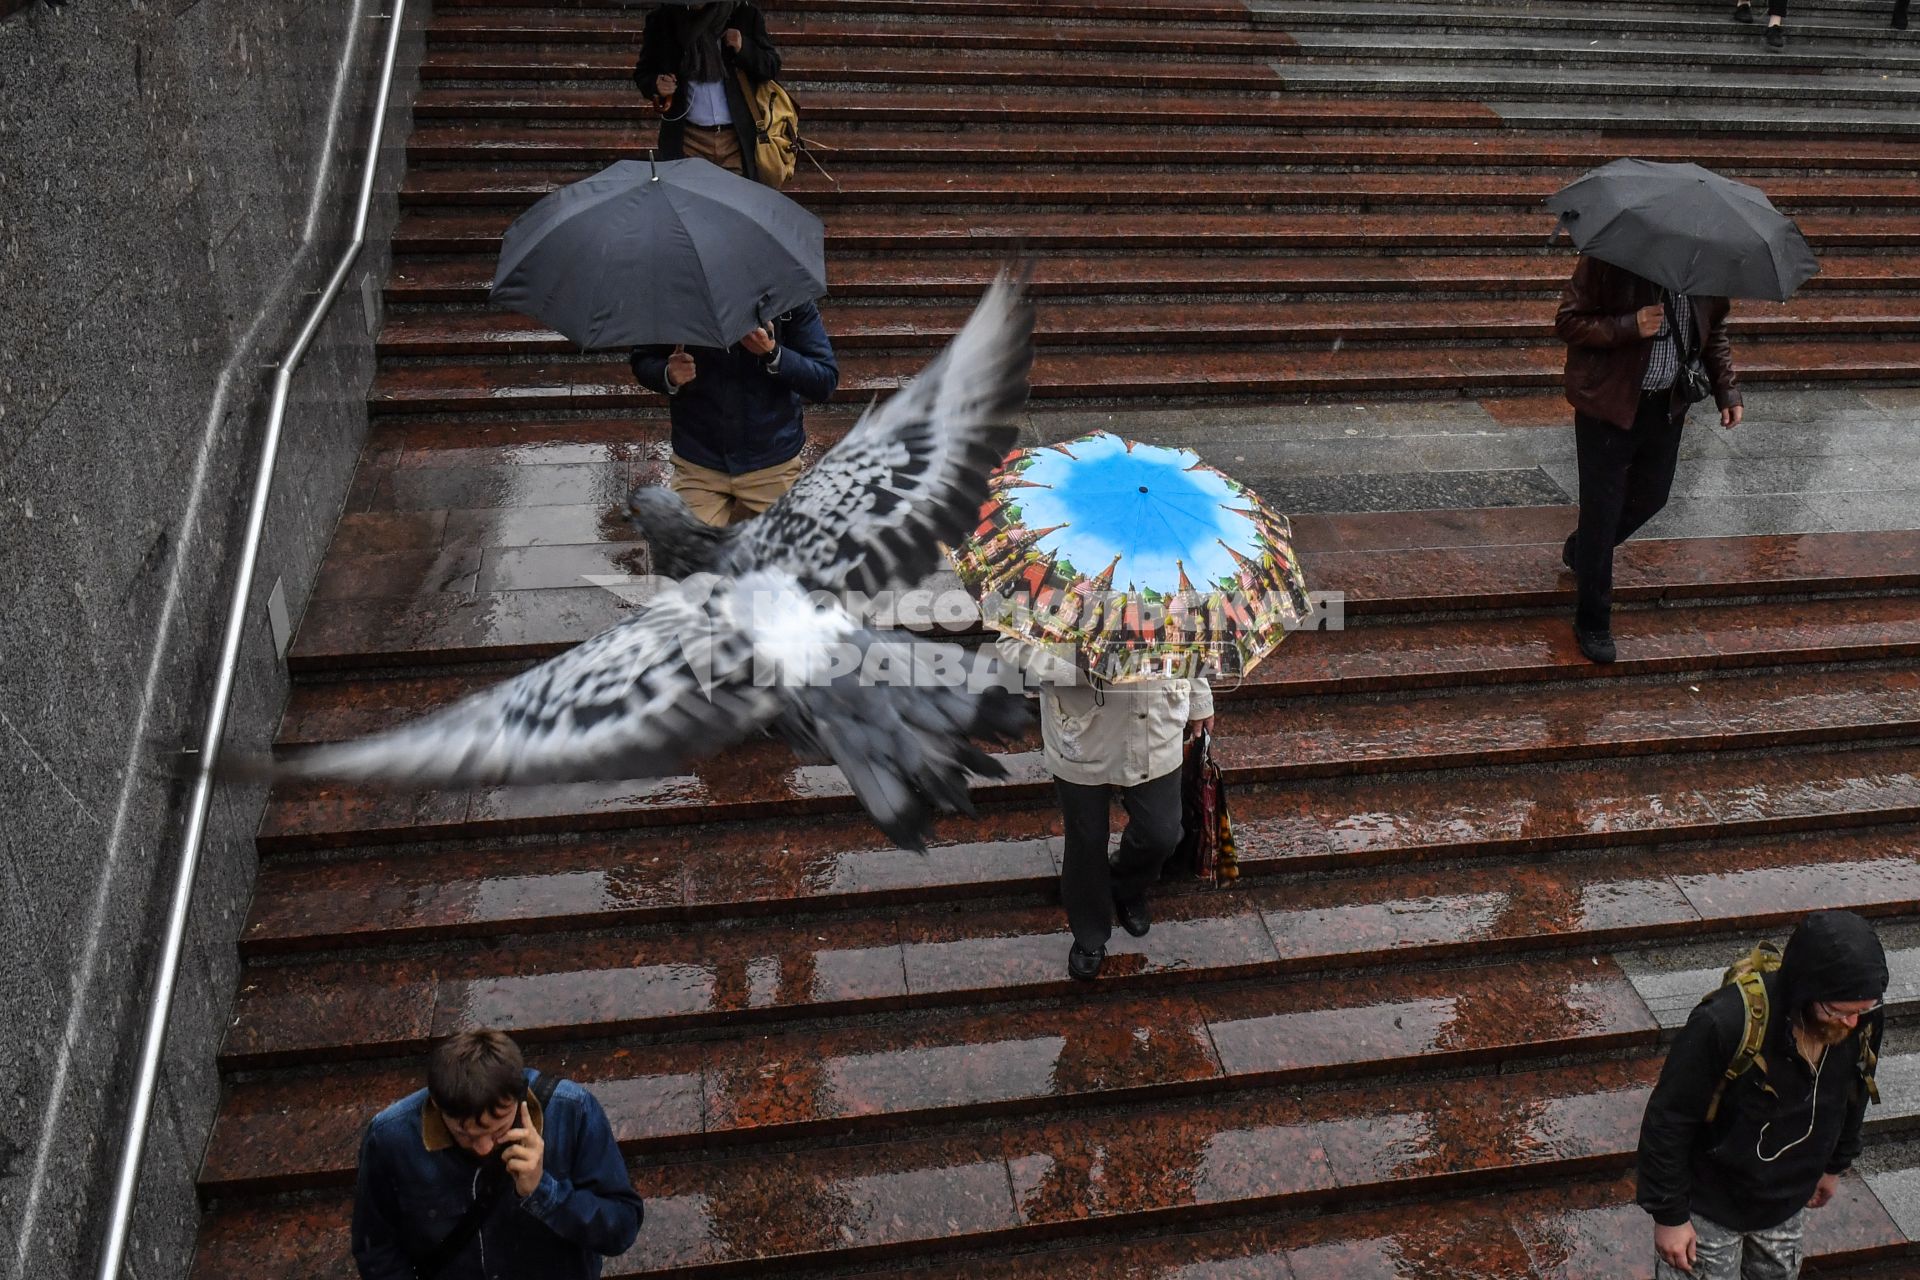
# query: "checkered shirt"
1665,365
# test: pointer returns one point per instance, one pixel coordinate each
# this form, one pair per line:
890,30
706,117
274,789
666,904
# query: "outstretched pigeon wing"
912,474
670,683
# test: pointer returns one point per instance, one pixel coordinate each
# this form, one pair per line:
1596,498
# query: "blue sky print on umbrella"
1145,506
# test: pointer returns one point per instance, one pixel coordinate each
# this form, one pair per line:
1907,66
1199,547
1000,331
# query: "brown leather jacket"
1607,357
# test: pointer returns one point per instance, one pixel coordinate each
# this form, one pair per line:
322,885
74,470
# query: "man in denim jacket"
537,1190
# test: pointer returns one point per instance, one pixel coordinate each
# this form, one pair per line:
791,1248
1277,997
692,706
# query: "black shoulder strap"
1686,339
496,1184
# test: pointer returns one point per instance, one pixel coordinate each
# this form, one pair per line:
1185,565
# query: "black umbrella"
1687,229
676,252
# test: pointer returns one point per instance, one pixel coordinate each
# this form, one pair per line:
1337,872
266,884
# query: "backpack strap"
1753,1037
1869,1060
494,1184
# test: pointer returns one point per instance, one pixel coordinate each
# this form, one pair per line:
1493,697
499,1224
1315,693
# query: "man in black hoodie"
1729,1196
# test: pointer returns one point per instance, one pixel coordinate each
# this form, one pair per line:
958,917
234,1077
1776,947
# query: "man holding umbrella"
737,413
1622,378
708,280
1645,322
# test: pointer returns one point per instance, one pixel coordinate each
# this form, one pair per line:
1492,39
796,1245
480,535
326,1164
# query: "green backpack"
1747,973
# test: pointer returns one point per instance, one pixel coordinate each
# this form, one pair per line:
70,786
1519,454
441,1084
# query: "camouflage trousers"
1773,1254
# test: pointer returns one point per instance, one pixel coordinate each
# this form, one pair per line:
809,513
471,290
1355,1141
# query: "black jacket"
736,415
1779,1130
660,55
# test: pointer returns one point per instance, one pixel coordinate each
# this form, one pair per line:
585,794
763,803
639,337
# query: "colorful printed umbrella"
1143,557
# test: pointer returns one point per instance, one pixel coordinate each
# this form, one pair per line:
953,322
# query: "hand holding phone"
525,1155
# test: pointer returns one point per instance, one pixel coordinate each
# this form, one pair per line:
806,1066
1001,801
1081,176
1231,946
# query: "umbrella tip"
652,166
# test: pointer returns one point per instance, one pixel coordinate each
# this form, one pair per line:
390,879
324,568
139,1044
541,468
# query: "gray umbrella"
676,252
1687,229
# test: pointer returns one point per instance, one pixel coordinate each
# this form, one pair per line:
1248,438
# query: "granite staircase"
1222,200
1482,878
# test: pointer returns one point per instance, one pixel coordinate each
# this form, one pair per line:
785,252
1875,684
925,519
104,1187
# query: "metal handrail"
140,1110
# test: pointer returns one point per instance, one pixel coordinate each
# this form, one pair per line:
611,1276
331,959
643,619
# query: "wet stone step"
881,327
959,278
568,987
408,571
1233,12
773,866
481,185
875,106
1265,740
479,231
1150,147
1577,1229
1360,659
1009,107
1614,21
1182,372
609,383
1483,79
1671,994
802,70
841,35
1812,51
293,1134
1170,1163
1705,116
1645,569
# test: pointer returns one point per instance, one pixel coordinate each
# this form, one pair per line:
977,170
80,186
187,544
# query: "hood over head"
1833,955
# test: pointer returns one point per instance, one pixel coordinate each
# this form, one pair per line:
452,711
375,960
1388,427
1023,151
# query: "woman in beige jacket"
1101,738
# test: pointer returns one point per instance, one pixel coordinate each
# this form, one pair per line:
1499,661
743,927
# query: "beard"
1824,1032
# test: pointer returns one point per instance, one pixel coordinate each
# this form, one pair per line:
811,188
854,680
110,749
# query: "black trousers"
1625,477
1089,885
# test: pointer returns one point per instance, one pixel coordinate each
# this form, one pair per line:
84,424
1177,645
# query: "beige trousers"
717,498
720,146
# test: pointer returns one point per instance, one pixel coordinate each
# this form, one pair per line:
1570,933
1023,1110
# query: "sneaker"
1133,916
1083,964
1776,37
1596,645
1743,13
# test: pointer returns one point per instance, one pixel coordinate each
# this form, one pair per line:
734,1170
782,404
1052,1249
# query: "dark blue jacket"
409,1198
735,416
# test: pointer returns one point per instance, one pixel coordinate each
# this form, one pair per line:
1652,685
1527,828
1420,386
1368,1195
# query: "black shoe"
1743,13
1085,965
1596,645
1776,37
1133,916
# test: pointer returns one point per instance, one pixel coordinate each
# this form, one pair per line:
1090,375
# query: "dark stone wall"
175,184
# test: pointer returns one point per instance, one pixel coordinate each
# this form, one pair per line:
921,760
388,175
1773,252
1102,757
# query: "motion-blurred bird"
750,634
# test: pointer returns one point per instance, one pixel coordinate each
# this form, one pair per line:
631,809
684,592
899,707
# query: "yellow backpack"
776,130
1748,973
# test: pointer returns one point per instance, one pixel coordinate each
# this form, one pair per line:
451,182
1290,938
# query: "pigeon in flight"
749,629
